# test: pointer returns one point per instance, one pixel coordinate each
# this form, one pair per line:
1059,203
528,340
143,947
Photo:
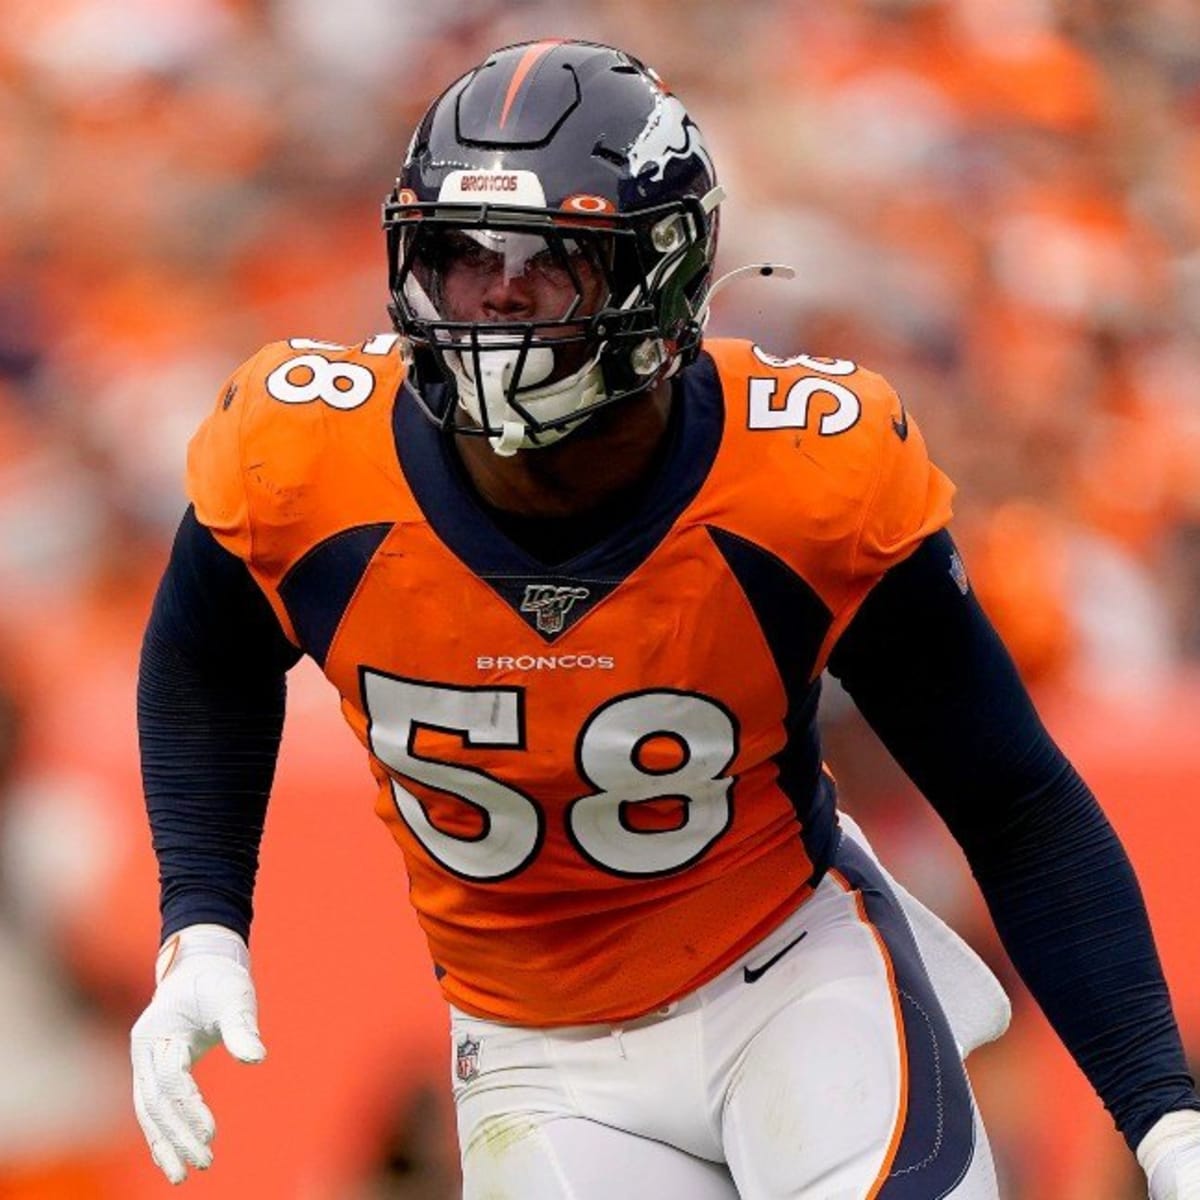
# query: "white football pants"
821,1066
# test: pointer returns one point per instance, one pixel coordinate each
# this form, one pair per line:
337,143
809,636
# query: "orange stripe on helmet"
528,62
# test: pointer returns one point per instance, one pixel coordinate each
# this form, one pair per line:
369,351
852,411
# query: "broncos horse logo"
668,133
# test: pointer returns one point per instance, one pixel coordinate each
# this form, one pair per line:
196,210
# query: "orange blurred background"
996,203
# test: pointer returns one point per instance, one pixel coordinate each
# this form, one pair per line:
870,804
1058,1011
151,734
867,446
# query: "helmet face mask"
534,271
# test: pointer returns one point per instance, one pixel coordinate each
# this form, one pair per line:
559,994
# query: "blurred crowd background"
994,202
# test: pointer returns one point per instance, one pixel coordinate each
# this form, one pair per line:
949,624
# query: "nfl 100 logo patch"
550,604
466,1059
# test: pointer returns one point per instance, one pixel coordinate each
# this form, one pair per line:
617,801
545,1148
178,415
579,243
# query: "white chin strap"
577,393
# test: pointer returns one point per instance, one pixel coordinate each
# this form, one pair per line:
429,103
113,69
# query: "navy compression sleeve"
210,713
932,678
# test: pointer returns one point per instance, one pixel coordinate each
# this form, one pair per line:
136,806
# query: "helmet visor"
476,275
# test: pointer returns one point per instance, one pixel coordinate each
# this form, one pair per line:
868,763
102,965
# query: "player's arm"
931,676
211,692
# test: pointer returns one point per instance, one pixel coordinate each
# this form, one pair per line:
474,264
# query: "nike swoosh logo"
754,974
901,425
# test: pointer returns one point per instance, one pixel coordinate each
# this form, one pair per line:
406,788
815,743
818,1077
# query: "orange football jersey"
604,774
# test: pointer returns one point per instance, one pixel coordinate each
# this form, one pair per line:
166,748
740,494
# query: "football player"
575,575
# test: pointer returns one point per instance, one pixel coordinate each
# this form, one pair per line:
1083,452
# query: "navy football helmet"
568,164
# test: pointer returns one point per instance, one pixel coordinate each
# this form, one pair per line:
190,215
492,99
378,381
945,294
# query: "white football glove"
1170,1156
204,996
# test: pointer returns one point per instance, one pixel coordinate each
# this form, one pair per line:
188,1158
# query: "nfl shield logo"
466,1059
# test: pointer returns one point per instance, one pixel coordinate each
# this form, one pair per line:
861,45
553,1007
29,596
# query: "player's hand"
1170,1156
204,996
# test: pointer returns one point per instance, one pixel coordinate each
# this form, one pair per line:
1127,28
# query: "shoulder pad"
258,454
842,439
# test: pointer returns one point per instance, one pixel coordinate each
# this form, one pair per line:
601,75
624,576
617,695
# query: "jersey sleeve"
909,500
247,471
906,500
216,482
